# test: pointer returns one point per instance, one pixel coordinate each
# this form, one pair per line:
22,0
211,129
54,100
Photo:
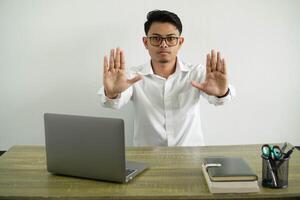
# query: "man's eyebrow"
157,34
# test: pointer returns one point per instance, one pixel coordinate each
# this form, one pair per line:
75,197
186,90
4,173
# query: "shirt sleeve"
220,101
116,103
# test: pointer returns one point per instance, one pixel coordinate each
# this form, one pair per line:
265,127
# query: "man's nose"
163,44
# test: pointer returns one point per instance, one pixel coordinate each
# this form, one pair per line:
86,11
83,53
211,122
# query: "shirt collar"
180,67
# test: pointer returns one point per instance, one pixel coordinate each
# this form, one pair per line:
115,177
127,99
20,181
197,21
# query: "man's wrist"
228,91
110,96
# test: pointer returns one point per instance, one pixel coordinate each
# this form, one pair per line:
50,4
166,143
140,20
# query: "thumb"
197,85
135,79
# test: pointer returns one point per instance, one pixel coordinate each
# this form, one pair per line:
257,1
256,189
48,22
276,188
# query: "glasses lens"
155,40
172,41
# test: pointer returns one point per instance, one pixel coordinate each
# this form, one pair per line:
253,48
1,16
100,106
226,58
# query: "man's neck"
164,69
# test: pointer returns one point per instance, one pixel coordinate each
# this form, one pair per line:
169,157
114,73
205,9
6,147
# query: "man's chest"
173,93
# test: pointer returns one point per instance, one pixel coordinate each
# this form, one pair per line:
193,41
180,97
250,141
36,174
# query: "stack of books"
229,175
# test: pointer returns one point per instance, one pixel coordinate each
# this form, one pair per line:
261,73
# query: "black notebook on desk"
228,169
229,175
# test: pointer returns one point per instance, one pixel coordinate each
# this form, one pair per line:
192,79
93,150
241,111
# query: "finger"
105,65
197,85
208,63
219,63
117,59
122,61
134,79
111,59
213,60
224,66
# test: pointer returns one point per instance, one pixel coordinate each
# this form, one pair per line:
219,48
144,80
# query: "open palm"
215,82
114,75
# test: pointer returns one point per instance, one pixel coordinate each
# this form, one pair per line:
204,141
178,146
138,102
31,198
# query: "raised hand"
114,75
216,82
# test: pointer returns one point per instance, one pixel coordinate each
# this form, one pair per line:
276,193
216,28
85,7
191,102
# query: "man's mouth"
163,52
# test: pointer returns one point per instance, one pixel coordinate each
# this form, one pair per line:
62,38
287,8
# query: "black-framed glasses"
169,40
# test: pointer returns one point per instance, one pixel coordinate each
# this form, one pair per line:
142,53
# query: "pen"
288,154
284,147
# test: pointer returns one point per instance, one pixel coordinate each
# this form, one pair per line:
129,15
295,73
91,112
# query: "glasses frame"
163,39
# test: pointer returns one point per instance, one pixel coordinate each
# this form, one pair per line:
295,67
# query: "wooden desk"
175,173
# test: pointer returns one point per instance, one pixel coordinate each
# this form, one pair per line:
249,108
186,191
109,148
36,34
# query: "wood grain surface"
174,173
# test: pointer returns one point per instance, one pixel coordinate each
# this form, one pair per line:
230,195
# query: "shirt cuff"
106,101
227,98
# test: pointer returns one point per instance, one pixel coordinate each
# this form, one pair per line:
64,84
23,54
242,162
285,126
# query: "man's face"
163,50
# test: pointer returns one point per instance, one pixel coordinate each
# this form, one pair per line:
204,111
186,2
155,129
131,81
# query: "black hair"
162,16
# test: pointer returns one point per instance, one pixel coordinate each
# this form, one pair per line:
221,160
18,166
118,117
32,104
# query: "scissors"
271,152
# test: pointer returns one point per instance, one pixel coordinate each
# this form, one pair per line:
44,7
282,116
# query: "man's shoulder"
191,67
136,69
185,66
142,69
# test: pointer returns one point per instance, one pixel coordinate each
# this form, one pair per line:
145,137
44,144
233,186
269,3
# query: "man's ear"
145,41
181,40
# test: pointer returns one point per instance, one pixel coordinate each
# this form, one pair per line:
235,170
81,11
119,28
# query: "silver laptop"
88,147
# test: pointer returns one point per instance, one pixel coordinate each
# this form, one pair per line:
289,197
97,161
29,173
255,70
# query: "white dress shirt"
167,111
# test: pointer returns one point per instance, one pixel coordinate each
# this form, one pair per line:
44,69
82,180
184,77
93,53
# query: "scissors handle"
271,152
266,150
277,152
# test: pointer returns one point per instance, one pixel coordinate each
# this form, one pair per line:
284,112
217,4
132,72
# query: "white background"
51,56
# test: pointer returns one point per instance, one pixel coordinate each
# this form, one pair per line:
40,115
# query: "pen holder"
275,173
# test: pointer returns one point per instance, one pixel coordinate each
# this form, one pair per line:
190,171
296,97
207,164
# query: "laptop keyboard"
130,171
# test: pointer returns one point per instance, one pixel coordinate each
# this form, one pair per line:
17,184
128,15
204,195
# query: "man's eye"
171,38
156,38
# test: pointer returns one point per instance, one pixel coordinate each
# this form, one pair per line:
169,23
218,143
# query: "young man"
165,91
